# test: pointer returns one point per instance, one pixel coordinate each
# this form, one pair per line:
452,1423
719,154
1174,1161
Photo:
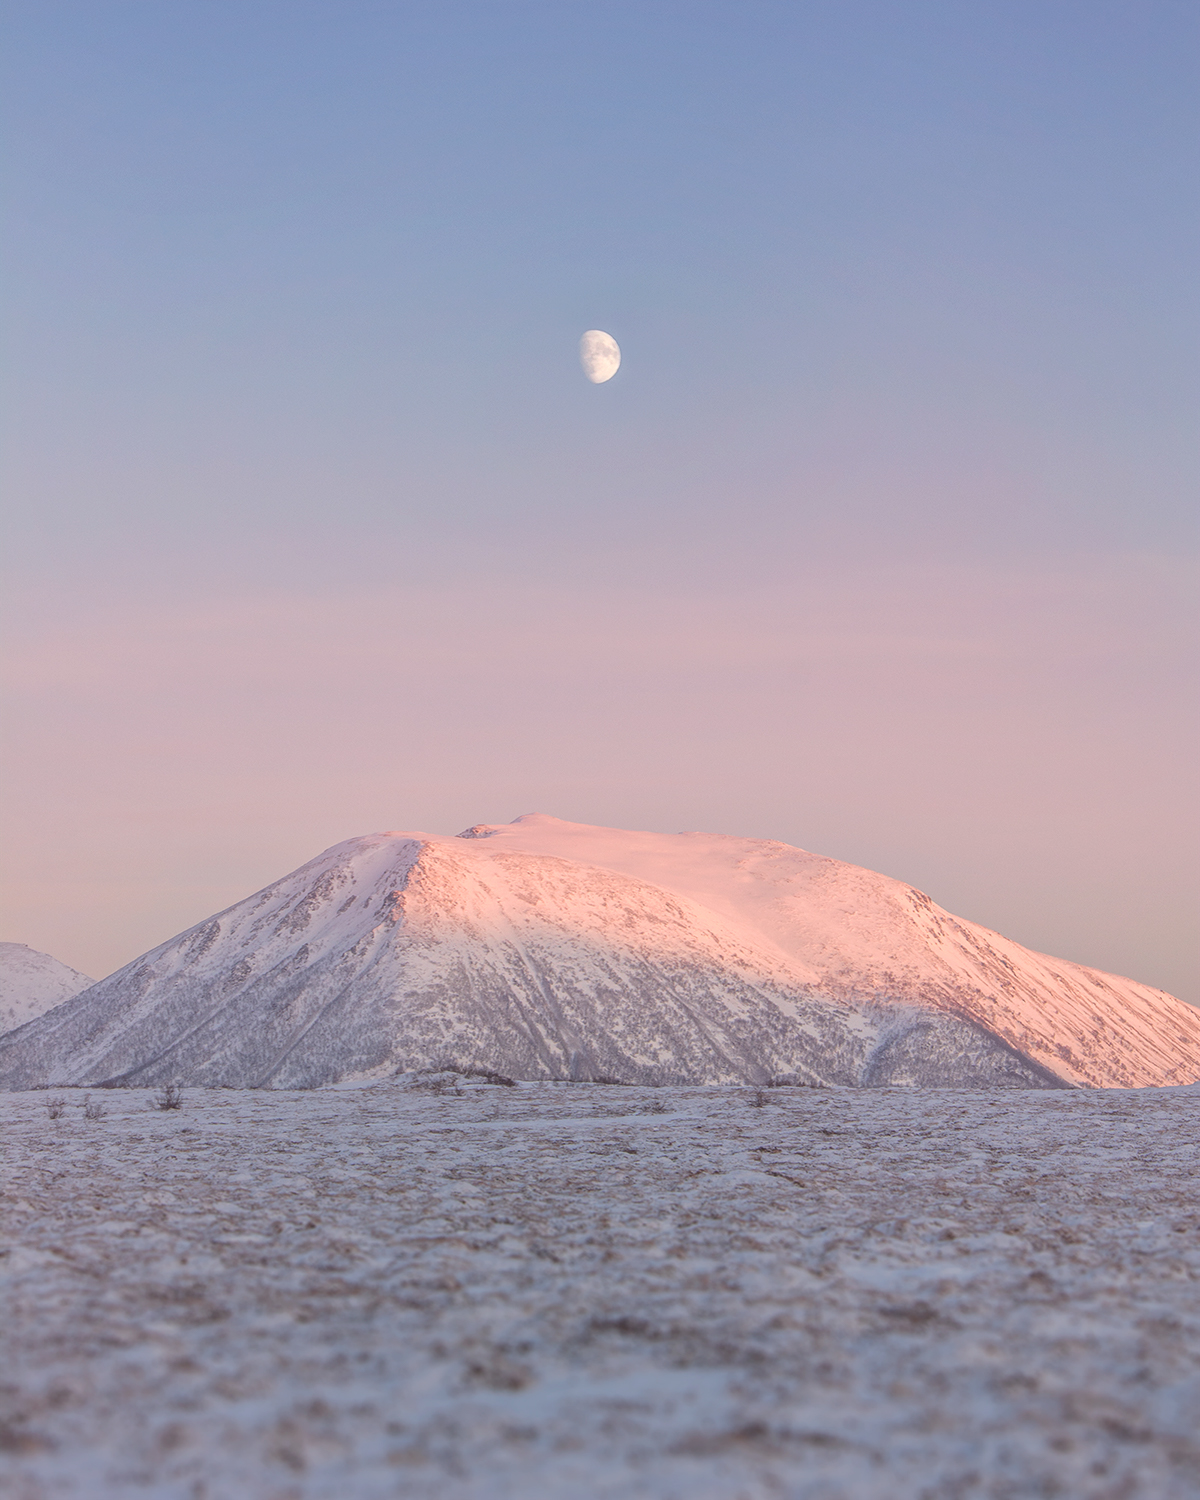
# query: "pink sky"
1008,740
877,543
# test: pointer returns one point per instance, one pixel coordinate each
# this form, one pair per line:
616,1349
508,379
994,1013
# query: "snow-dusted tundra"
576,1292
416,1283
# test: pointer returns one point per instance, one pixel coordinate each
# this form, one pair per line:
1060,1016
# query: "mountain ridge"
546,949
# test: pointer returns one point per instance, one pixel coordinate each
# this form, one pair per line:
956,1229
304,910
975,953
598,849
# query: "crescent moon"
599,355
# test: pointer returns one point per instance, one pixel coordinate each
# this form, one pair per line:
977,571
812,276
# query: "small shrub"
496,1371
55,1108
445,1077
93,1110
170,1096
488,1075
758,1098
438,1080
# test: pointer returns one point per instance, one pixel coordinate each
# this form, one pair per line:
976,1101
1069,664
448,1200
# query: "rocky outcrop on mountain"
543,949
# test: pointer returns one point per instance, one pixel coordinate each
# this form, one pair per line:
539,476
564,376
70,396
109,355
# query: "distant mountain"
545,949
33,982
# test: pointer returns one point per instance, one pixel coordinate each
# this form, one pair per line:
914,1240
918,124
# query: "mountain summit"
546,949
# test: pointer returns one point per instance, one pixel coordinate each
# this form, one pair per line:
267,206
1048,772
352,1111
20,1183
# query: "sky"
881,542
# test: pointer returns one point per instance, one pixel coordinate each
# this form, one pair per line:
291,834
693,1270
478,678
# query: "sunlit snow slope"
545,949
33,982
858,935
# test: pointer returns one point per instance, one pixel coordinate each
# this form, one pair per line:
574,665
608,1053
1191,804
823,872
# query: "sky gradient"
881,542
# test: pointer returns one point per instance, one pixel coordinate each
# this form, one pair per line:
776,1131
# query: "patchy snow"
548,950
476,1292
32,983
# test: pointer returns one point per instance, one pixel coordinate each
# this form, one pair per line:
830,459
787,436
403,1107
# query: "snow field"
577,1291
32,983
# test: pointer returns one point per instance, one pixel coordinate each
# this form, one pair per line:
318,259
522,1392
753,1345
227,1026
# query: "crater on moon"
600,355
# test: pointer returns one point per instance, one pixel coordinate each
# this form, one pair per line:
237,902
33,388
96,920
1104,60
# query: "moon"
599,355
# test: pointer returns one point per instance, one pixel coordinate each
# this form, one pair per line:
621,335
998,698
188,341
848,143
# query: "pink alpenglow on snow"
552,950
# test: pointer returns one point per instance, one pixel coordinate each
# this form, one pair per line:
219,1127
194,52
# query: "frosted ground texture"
583,1291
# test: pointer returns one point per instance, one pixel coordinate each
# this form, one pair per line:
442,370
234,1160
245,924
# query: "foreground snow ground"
584,1291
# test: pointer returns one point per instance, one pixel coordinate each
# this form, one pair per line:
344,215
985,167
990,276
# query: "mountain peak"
547,949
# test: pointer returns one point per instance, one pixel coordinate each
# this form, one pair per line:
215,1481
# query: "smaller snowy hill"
32,983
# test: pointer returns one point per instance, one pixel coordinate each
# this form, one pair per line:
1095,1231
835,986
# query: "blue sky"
878,543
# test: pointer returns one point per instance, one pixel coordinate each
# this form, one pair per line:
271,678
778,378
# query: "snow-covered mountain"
545,949
33,982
